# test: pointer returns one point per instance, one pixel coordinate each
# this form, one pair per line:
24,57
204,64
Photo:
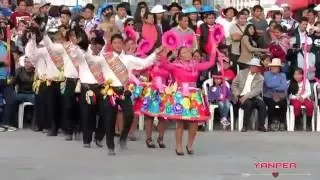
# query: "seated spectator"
265,61
24,80
228,71
300,95
220,94
246,90
274,94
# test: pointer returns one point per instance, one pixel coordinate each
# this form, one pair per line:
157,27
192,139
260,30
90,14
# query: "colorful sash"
69,49
57,59
118,68
96,72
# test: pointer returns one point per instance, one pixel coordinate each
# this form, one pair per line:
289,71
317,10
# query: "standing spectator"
300,33
307,59
20,14
274,93
227,22
5,8
150,31
300,95
246,12
288,21
183,28
90,22
7,71
138,17
311,20
248,46
121,16
258,21
174,8
236,33
209,18
197,4
160,21
316,48
246,89
193,17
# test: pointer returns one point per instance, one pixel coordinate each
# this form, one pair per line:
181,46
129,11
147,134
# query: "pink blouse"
188,72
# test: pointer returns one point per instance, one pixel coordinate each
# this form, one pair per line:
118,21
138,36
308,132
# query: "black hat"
174,4
235,11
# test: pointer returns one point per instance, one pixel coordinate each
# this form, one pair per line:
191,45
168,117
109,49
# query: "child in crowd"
300,95
220,94
265,61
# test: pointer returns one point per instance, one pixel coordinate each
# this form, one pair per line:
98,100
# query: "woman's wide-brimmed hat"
171,40
254,62
157,9
217,75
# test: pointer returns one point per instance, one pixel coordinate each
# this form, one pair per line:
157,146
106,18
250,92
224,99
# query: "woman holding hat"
275,94
160,21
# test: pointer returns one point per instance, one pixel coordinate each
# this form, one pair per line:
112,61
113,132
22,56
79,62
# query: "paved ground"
26,155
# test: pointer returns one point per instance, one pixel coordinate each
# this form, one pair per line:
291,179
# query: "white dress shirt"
226,27
70,70
85,74
131,63
247,85
37,56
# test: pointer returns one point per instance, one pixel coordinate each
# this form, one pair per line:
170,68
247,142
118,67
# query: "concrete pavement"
26,155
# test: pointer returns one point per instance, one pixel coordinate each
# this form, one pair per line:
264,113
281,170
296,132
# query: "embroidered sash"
73,56
57,59
96,72
118,68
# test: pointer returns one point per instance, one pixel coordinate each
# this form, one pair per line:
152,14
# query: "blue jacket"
274,83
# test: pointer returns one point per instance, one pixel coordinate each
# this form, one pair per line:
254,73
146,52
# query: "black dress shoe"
190,152
262,129
99,143
87,145
51,133
149,143
111,152
244,129
68,137
160,142
123,144
37,129
179,153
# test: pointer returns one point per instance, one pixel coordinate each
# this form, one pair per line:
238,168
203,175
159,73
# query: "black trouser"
110,115
54,106
89,112
249,105
273,112
41,107
9,96
69,107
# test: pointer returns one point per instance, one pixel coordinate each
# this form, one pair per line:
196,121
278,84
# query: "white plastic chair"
21,113
206,84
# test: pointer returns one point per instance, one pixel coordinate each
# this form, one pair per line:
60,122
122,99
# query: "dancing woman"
185,103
